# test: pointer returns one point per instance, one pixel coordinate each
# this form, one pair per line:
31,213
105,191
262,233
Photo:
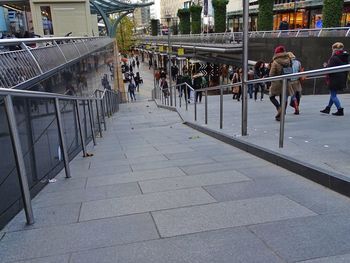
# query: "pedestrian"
318,23
138,64
157,77
131,68
336,81
283,25
131,89
162,74
295,84
280,61
165,88
259,73
237,90
150,63
250,86
137,80
197,84
187,79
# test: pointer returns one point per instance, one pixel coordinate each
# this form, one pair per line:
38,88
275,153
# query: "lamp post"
168,19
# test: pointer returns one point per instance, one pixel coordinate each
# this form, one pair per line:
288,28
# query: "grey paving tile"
266,171
227,214
171,163
135,153
184,155
146,159
100,255
192,181
134,177
262,187
45,217
334,259
144,203
38,243
174,149
84,195
307,238
223,246
53,259
65,184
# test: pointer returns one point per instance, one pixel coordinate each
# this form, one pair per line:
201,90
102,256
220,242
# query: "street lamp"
168,19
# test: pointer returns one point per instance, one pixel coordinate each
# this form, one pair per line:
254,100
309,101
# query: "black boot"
326,110
340,112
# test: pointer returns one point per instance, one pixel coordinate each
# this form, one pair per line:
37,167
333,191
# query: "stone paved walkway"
158,191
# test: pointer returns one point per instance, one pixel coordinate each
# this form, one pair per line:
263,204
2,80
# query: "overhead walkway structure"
227,47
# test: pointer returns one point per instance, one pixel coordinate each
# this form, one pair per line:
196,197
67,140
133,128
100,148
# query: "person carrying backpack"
281,64
295,84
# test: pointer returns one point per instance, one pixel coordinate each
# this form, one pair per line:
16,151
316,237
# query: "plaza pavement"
158,191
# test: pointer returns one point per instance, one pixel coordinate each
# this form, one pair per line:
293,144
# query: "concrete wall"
311,51
67,16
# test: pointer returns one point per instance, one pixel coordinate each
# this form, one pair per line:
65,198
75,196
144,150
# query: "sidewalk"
158,191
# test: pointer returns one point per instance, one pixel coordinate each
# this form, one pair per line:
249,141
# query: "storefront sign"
180,51
161,48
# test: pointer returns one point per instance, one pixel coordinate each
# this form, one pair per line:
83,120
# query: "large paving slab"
205,179
227,214
222,246
73,237
144,203
307,238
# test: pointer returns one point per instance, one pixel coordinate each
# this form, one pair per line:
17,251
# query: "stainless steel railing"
236,37
22,65
106,103
283,78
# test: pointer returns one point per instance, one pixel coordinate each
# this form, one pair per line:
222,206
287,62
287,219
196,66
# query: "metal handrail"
283,78
17,41
109,104
20,67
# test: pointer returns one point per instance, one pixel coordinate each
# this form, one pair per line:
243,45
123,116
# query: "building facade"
298,14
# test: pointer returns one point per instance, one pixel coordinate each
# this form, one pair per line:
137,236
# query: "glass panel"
46,19
9,185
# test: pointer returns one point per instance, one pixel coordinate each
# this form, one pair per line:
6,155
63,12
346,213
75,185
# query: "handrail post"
195,107
245,68
221,107
103,114
25,47
62,138
19,159
283,111
82,139
92,125
98,118
175,96
186,97
60,50
171,96
206,106
180,95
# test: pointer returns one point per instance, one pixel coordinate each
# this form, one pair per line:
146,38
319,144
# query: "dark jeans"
276,103
250,90
334,99
262,88
132,95
198,95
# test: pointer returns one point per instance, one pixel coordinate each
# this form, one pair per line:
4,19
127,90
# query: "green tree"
332,12
154,27
185,20
265,16
196,18
220,15
125,38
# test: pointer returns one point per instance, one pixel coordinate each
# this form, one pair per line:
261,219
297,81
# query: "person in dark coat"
197,84
283,25
336,81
